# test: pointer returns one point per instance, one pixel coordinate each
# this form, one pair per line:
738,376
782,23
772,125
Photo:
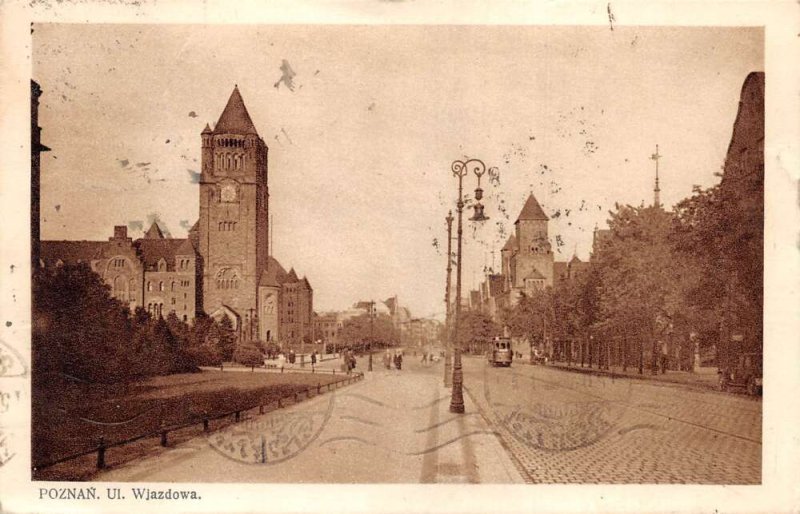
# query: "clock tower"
234,209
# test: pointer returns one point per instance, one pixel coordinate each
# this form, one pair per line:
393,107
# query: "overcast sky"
360,149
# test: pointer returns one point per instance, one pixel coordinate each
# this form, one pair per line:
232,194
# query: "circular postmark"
275,437
554,411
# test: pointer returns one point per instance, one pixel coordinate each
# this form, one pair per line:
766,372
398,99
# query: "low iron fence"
163,431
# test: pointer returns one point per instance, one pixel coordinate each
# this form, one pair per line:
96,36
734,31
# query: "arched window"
149,286
161,286
172,287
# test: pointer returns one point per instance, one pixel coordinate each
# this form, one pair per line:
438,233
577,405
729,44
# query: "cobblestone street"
564,427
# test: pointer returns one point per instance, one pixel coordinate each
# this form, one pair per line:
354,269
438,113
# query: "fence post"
296,394
101,453
237,416
279,403
319,388
205,424
261,409
164,438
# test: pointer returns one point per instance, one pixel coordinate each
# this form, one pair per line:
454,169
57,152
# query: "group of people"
395,360
291,358
349,360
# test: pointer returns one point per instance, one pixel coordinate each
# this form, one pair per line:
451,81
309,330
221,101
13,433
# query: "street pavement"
392,427
566,427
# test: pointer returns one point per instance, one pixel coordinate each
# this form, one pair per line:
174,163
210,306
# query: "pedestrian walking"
387,360
398,361
424,358
313,359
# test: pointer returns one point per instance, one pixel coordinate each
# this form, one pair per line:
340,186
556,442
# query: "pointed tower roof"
207,130
575,259
154,232
511,244
234,118
292,276
532,210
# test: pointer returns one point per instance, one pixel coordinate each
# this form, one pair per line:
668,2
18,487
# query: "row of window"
118,263
183,283
227,283
227,226
229,161
237,143
157,310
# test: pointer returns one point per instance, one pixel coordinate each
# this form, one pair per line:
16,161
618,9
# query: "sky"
360,145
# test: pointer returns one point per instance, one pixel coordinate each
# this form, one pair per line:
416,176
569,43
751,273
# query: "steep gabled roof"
70,252
511,244
292,277
234,118
304,282
575,259
186,248
154,232
532,210
153,250
274,275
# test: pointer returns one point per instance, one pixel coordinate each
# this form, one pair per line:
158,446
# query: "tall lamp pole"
371,331
448,364
460,169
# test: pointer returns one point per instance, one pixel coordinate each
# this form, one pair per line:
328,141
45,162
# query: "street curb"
643,378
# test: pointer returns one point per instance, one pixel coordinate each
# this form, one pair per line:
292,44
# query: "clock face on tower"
228,193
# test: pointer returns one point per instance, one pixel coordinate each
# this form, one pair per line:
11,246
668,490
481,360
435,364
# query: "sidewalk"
392,427
704,378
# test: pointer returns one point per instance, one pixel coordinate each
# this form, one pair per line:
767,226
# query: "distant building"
224,267
527,265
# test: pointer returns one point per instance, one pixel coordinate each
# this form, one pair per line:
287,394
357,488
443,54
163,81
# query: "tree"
475,331
361,331
528,318
226,338
638,274
79,329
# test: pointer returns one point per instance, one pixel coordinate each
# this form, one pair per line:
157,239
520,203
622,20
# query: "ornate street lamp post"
460,169
371,331
448,363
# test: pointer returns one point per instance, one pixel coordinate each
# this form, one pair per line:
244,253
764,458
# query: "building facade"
156,273
224,267
527,265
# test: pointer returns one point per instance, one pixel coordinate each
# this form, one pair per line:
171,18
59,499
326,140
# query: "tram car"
500,353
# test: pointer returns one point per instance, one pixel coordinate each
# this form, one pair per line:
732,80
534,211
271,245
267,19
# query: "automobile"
538,356
744,372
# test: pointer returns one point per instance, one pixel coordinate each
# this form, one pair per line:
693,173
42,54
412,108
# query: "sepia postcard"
399,256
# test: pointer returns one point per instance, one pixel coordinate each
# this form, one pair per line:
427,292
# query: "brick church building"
224,267
527,264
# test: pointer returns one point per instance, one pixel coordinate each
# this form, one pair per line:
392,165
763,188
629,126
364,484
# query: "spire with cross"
656,192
